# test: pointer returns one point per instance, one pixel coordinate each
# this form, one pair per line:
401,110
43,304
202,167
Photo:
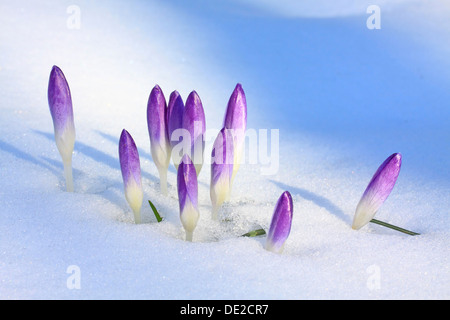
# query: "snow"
343,97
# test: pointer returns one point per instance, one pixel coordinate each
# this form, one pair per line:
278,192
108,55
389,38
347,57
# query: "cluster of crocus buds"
60,103
131,173
166,123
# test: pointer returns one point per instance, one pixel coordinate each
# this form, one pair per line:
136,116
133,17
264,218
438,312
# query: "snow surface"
344,98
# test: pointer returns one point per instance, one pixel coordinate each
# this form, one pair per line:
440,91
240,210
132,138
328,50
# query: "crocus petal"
60,103
280,226
236,120
175,110
188,195
131,173
377,191
195,124
222,158
157,129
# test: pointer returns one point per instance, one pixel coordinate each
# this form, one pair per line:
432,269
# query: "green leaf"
158,217
255,233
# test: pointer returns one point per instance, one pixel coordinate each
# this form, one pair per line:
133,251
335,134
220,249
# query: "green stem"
68,174
163,181
254,233
214,213
137,217
385,224
189,236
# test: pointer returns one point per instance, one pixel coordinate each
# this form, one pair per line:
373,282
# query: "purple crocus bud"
222,158
194,123
188,196
236,120
175,110
377,191
60,103
131,173
280,226
157,129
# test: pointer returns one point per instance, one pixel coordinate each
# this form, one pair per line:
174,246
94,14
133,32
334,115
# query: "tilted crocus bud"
280,226
195,124
60,103
175,110
222,157
188,196
131,173
377,191
236,120
157,129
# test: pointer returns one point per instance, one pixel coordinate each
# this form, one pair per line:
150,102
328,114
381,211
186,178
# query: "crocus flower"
377,191
131,173
222,157
157,129
236,120
175,110
60,103
188,196
280,226
195,124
